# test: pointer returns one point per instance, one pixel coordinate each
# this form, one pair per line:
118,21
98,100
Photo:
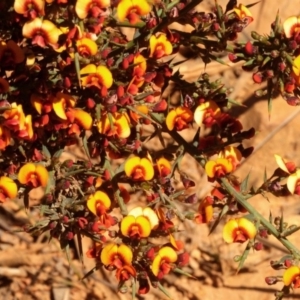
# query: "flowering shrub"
70,75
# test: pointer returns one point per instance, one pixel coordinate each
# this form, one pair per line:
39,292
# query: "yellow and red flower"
139,169
86,47
163,166
239,230
160,46
232,154
8,189
114,125
243,12
291,26
132,10
136,116
116,256
218,168
30,8
98,203
138,73
10,53
34,175
291,276
179,118
205,211
147,212
95,7
162,263
97,76
135,227
42,32
80,117
207,113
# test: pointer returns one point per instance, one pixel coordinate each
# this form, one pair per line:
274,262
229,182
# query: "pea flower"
34,175
162,263
243,12
238,230
291,276
42,32
95,7
97,76
30,8
207,113
218,168
139,169
179,118
160,46
232,154
132,10
114,125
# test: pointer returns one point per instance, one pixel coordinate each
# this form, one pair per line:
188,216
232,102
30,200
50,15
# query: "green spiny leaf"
224,211
243,257
244,184
164,290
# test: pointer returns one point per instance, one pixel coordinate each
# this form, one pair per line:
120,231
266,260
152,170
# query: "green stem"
242,201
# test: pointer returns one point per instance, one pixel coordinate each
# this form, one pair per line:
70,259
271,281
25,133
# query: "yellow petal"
248,227
289,275
229,230
108,252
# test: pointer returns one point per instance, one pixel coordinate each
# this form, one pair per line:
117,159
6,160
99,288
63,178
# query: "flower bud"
271,280
258,246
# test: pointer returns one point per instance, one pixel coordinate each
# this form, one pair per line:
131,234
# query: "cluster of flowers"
71,74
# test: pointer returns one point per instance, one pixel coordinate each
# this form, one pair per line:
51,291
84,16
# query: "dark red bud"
120,91
258,246
70,235
249,48
271,280
90,103
258,77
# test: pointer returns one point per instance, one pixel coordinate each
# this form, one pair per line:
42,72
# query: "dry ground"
41,271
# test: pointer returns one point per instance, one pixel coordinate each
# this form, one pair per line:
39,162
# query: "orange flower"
96,76
292,276
59,104
162,263
5,137
139,168
160,46
146,212
98,203
135,227
81,117
114,125
86,47
11,53
291,26
218,167
8,189
243,12
164,167
296,70
30,7
116,256
132,10
139,70
179,118
205,211
232,154
34,175
207,113
84,7
238,230
42,32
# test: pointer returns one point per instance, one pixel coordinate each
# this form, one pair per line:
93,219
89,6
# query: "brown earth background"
39,270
